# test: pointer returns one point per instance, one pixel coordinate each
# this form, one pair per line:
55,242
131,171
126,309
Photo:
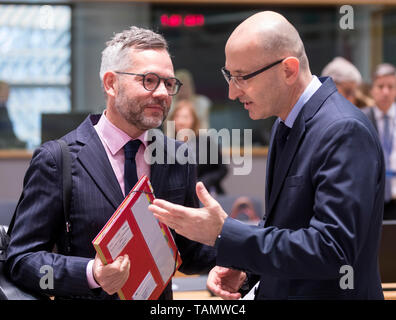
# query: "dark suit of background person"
325,208
389,205
383,91
96,194
211,174
8,139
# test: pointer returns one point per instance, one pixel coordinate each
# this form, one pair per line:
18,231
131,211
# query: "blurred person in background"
8,139
210,173
348,81
383,116
201,103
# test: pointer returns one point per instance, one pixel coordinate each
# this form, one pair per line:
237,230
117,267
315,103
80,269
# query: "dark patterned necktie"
130,173
282,132
281,138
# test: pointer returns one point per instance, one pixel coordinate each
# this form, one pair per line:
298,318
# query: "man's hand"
225,282
202,224
111,277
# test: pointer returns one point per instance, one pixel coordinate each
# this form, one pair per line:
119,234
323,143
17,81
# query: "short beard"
132,111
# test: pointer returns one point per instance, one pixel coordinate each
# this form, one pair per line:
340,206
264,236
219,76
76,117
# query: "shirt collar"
114,137
306,95
391,112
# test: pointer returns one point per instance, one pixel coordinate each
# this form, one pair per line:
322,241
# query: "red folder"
134,230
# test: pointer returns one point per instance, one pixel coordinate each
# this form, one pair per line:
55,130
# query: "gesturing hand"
198,224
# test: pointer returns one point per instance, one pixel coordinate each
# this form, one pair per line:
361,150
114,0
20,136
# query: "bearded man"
107,158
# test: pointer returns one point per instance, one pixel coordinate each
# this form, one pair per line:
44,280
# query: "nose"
161,90
233,91
385,90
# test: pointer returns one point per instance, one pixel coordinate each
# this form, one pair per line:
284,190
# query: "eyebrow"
238,72
147,71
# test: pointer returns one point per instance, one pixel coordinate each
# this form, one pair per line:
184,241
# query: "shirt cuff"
92,284
217,242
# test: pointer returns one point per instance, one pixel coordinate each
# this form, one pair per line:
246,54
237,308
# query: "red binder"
134,230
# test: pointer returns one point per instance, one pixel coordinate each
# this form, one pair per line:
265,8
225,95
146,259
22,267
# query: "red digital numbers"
178,20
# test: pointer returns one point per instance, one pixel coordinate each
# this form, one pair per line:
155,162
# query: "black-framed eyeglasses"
240,80
152,80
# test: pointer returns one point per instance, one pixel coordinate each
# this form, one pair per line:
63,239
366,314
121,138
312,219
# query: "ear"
291,68
110,83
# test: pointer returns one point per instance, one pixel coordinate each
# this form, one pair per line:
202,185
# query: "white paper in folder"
154,237
250,295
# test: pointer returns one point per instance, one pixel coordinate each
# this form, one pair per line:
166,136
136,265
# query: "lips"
156,107
247,104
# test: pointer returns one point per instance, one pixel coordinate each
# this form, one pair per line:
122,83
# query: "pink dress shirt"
113,140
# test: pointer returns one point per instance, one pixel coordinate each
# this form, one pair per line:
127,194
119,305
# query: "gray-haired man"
383,116
138,80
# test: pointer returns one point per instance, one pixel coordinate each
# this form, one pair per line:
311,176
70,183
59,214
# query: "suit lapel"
93,158
296,135
289,151
157,177
270,165
372,118
158,171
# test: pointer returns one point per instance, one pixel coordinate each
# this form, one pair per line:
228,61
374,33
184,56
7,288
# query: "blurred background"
50,51
50,58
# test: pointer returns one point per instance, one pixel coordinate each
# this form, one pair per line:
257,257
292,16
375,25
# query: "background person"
8,139
348,81
383,117
201,103
211,173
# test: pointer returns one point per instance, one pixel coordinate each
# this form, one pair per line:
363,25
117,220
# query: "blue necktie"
130,174
387,146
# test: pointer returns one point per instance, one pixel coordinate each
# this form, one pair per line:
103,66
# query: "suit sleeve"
346,173
39,224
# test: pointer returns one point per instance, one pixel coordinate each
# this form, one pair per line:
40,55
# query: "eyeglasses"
152,80
240,81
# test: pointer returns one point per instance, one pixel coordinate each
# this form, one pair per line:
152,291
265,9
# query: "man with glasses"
324,183
107,154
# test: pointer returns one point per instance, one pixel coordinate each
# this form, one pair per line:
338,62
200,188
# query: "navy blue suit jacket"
96,194
325,209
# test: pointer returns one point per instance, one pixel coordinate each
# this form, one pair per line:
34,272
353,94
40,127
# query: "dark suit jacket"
96,194
369,112
8,139
211,174
325,209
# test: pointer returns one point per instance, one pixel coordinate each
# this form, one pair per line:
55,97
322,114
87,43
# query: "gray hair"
116,54
341,70
384,69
